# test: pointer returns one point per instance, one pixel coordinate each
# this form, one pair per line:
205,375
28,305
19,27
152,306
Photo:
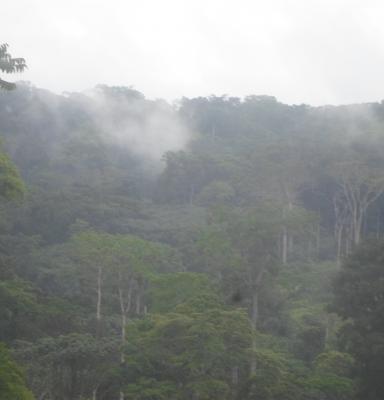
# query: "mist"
192,200
147,128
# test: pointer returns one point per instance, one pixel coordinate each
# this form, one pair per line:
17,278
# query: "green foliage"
334,362
9,65
359,293
330,387
12,384
18,308
193,351
151,389
11,185
114,251
182,289
217,192
69,366
187,258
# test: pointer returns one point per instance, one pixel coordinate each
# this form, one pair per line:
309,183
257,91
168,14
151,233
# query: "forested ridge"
216,248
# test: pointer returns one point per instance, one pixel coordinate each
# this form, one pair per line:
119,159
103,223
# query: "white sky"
301,51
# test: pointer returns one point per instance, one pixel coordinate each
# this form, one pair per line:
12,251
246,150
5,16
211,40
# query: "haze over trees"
217,249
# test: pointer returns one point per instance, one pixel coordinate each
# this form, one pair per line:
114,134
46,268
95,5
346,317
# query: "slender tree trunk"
348,241
99,287
358,228
254,318
123,336
318,239
138,302
286,236
125,306
284,256
339,242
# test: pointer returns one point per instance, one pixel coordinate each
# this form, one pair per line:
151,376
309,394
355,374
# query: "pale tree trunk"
318,239
254,318
358,196
358,227
339,235
284,248
99,284
286,237
342,219
125,306
99,288
123,337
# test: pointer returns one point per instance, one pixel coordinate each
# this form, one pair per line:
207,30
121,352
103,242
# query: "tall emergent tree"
9,65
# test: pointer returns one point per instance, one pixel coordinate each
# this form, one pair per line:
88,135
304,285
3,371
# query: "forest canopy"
211,249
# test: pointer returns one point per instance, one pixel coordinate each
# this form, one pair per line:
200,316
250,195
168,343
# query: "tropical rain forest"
215,248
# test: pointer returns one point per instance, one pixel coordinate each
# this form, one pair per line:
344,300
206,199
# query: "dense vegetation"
222,248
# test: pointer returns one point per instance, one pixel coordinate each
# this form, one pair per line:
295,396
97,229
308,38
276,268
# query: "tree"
360,185
73,366
126,263
9,65
133,261
241,246
12,384
91,251
331,377
11,185
359,300
186,354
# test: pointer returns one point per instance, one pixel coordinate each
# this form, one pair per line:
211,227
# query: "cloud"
147,128
311,51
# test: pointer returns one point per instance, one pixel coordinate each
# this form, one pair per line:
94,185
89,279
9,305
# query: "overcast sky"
301,51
